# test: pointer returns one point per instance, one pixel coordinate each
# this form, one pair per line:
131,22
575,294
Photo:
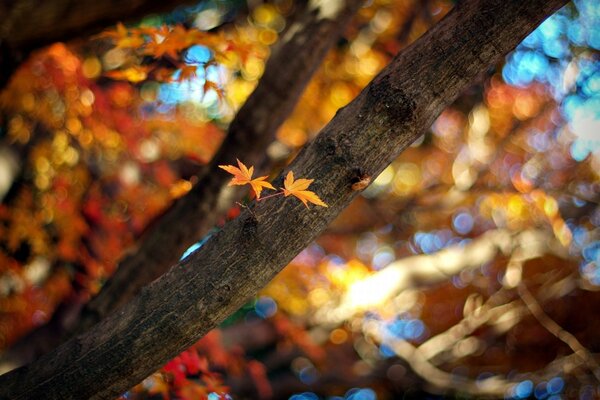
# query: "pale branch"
436,348
436,379
293,61
174,311
565,365
501,314
10,165
457,342
430,269
425,358
499,311
555,329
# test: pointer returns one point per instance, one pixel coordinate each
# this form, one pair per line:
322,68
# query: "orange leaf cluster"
242,175
171,42
162,42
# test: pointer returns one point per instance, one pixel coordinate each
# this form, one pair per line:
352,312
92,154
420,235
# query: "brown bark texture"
292,63
289,68
174,311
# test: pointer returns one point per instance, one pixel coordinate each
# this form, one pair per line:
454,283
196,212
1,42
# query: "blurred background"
469,268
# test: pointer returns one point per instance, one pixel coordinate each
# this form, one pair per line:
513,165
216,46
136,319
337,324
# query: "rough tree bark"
174,311
292,63
289,68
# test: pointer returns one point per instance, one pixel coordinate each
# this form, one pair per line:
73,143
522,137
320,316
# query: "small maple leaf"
187,72
118,33
123,37
208,84
134,74
172,42
298,188
243,176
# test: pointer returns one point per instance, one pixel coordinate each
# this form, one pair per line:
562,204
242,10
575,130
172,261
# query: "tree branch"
430,269
555,329
293,62
174,311
291,65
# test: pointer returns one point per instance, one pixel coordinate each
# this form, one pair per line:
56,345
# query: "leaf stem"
269,196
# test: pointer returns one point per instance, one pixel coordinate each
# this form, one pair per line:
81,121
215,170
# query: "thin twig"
555,329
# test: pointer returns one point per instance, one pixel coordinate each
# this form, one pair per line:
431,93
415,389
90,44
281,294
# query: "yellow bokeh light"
267,37
550,207
71,156
42,182
479,121
42,165
352,272
318,297
340,94
60,141
264,14
297,306
338,336
516,207
73,125
253,69
369,65
238,91
385,177
408,175
87,98
114,58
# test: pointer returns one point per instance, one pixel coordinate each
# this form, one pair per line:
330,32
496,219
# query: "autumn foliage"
105,133
296,188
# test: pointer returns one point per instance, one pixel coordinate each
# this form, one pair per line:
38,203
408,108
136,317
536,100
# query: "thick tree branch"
293,62
174,311
291,65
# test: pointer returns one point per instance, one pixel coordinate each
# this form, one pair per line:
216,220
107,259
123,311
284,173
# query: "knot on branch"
385,99
249,226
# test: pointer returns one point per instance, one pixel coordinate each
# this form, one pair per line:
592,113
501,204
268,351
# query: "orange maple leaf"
171,42
214,86
118,33
123,37
298,188
243,175
187,72
134,74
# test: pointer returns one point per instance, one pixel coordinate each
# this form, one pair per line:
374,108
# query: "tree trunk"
174,311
